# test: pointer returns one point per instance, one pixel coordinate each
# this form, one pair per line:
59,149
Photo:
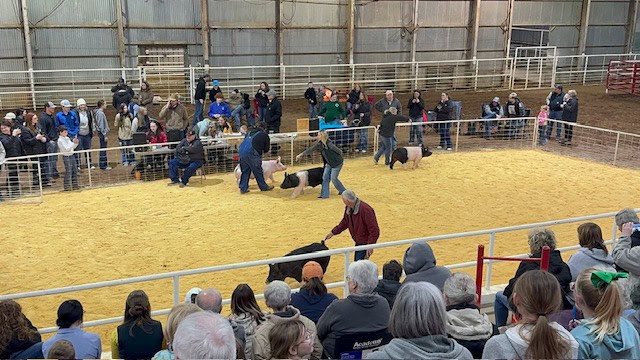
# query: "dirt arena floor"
148,228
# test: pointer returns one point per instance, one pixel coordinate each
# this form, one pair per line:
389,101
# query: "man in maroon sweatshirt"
361,221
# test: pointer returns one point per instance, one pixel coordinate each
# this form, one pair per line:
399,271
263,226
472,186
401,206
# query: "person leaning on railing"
13,148
362,117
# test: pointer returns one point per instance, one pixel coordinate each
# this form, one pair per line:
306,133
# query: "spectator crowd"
25,133
585,308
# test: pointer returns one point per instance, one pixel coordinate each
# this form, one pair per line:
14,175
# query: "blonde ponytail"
606,302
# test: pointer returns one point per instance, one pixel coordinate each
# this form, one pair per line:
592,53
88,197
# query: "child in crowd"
542,124
604,333
70,166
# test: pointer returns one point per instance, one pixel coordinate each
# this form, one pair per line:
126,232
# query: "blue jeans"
359,255
52,148
251,163
415,132
261,111
237,114
555,115
501,309
331,175
250,120
189,170
348,107
197,112
127,154
363,139
70,172
387,144
85,144
312,112
445,137
542,134
488,124
103,154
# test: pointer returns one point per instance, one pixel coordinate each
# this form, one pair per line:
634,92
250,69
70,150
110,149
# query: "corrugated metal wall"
83,33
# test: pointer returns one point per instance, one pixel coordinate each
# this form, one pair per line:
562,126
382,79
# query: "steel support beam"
120,21
205,31
631,25
414,31
279,35
508,25
584,26
350,30
27,49
474,28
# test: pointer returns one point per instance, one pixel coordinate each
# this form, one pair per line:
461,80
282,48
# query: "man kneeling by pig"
255,143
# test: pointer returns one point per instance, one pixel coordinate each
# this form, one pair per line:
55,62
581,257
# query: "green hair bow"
599,278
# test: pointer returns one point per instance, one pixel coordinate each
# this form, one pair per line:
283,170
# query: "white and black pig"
409,153
300,179
293,269
268,168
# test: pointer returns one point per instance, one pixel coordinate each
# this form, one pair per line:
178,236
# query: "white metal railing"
31,88
346,252
603,145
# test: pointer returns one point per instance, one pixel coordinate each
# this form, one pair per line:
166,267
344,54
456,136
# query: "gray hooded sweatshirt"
426,347
627,256
357,313
513,344
420,265
585,259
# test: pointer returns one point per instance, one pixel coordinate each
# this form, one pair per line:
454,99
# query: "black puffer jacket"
12,145
570,110
363,108
557,267
30,144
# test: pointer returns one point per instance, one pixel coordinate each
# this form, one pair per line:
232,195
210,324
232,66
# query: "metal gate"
164,68
533,67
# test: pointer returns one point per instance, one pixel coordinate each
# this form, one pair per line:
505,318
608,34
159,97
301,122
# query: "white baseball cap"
65,103
10,116
193,291
81,102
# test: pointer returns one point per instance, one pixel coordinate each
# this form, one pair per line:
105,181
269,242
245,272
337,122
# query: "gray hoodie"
635,320
585,258
627,257
420,265
357,313
512,344
426,347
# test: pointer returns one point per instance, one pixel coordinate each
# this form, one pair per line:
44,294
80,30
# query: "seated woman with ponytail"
139,336
536,295
604,333
313,298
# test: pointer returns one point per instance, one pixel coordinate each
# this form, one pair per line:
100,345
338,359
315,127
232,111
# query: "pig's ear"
278,159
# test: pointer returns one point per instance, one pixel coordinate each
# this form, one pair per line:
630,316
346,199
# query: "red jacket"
160,139
361,222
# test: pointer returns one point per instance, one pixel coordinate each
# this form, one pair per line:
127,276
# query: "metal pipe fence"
32,88
147,162
346,252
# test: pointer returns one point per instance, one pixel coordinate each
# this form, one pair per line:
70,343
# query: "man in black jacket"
49,125
13,147
215,90
122,93
569,114
273,117
199,97
514,108
255,143
189,156
387,132
310,95
555,100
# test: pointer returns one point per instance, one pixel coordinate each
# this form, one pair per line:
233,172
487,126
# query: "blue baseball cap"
215,82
